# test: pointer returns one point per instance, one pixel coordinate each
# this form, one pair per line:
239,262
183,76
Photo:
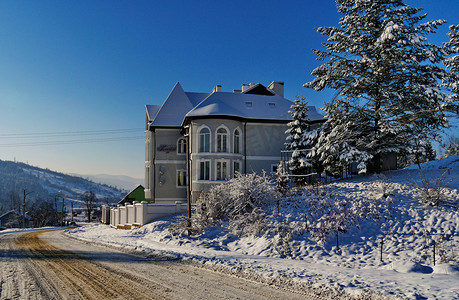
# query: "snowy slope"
120,181
46,184
407,267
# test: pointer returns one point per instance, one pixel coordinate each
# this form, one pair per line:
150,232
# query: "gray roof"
152,110
176,106
180,105
248,106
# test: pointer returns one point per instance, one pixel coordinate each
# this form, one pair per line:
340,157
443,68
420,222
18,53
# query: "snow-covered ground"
409,233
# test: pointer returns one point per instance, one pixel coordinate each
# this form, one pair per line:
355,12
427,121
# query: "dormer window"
248,103
271,104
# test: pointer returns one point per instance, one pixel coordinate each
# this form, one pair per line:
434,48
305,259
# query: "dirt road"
48,265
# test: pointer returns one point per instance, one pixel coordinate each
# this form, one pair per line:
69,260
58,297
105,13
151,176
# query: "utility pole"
62,222
55,209
23,209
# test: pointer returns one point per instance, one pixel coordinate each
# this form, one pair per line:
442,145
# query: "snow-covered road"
49,265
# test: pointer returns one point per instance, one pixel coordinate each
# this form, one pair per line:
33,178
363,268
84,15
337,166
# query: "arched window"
181,146
237,141
222,140
204,140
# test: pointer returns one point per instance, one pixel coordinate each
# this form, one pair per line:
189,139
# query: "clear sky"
85,66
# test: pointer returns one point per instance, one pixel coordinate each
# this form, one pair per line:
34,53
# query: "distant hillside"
44,184
119,181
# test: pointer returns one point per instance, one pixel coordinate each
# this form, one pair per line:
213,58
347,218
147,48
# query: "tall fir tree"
299,126
387,76
452,63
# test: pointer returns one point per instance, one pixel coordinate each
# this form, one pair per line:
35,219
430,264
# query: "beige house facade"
196,140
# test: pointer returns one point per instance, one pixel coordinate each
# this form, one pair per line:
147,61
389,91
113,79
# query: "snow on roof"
196,98
248,106
179,105
15,212
176,106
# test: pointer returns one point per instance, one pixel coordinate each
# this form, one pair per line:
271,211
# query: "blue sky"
79,66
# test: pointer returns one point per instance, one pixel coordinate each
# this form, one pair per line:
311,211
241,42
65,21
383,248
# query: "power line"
68,133
53,143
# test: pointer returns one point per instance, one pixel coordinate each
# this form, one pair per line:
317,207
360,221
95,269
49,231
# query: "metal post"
188,179
382,243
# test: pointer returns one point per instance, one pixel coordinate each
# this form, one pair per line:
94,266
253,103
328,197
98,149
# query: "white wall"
138,214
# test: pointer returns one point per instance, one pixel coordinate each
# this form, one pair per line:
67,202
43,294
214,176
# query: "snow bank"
405,267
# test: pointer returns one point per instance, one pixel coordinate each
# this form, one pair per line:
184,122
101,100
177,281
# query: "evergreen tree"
452,62
430,153
387,76
299,125
336,145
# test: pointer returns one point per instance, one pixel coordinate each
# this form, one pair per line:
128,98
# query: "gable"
259,89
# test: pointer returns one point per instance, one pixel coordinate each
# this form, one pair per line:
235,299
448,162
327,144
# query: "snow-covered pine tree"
452,64
388,75
298,163
336,147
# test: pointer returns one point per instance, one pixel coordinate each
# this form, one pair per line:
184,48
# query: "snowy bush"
328,214
433,191
239,201
282,179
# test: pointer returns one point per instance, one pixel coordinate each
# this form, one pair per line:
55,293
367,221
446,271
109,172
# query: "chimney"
245,87
217,88
277,87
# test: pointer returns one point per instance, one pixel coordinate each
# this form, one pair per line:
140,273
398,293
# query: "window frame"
179,144
217,173
222,139
238,136
202,139
177,172
234,167
204,161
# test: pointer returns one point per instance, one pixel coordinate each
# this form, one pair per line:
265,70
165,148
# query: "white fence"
138,214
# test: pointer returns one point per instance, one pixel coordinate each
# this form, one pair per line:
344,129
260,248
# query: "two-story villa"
211,137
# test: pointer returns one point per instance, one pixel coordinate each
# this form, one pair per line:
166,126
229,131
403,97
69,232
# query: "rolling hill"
44,184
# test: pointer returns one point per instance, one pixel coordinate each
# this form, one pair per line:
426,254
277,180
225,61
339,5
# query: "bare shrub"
433,191
328,215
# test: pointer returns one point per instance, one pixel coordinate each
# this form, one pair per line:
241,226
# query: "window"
204,170
222,169
222,140
181,146
237,139
181,178
147,149
147,178
204,140
272,105
236,167
248,103
274,168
